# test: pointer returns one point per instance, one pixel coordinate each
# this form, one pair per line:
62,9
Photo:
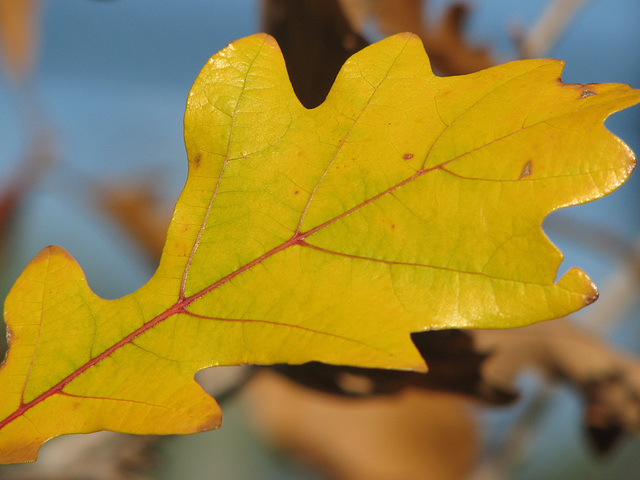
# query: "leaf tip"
406,35
19,453
50,252
211,422
257,38
577,282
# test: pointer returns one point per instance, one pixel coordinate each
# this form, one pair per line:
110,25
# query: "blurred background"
92,159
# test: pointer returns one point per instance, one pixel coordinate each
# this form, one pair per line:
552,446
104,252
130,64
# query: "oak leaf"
405,202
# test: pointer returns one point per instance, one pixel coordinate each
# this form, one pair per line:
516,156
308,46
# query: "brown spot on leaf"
587,93
407,156
526,170
296,192
196,159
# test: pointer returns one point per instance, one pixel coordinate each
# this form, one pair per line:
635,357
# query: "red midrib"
182,304
24,407
178,307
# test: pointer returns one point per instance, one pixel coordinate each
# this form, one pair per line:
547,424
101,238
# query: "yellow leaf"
405,202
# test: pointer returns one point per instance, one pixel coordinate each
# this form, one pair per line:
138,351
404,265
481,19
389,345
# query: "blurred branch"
38,158
315,39
609,380
545,33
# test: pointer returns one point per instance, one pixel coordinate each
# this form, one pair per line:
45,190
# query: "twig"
545,33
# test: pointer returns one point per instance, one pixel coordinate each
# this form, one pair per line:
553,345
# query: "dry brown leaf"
137,208
18,36
455,366
415,434
444,41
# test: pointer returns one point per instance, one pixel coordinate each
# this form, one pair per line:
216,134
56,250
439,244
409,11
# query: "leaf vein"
245,321
183,284
412,264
